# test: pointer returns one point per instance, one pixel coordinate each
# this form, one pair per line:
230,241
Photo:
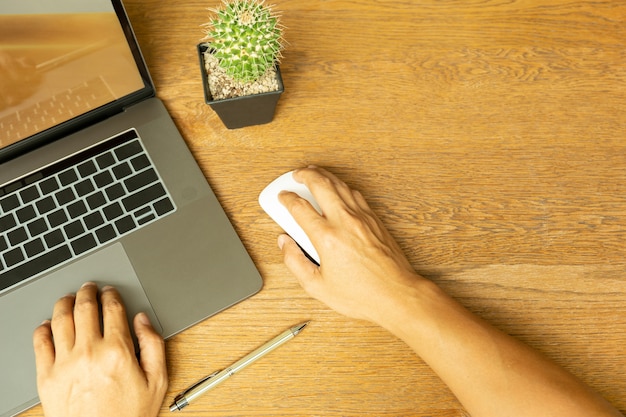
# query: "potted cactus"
239,60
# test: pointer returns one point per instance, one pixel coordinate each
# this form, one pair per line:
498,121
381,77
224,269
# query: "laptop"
96,184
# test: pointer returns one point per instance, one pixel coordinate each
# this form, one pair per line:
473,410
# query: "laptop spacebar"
34,266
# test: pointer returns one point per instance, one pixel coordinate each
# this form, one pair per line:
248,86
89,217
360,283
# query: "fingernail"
281,241
106,288
143,318
88,284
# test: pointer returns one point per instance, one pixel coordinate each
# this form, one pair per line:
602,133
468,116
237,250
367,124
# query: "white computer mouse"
268,199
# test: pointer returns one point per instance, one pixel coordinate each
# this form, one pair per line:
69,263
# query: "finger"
318,171
329,191
360,201
62,324
44,347
115,323
151,352
302,211
87,314
299,265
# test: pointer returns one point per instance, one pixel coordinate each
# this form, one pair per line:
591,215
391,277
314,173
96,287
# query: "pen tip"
297,329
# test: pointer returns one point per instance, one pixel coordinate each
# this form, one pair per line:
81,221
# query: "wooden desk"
490,138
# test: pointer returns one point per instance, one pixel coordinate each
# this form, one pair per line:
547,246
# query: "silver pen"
216,378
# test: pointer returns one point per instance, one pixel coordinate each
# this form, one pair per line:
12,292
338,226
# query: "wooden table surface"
488,135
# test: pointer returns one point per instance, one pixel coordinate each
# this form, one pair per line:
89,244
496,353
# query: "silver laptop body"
127,204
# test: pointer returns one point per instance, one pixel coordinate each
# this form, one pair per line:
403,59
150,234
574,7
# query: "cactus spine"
246,38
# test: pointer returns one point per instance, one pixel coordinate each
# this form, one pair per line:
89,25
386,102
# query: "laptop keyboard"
78,205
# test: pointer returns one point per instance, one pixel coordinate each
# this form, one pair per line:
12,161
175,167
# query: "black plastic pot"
243,111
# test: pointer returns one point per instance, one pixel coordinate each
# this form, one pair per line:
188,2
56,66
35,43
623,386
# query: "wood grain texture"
489,135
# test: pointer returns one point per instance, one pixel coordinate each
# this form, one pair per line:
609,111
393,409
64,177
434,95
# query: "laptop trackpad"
22,310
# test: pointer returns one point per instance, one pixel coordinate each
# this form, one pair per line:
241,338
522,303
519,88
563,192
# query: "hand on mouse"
360,260
364,274
83,371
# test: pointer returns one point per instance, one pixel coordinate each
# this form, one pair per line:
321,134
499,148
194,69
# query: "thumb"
296,261
151,352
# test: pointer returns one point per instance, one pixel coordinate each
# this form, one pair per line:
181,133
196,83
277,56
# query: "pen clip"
206,378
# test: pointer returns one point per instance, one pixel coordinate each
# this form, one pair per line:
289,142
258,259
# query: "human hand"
362,269
83,371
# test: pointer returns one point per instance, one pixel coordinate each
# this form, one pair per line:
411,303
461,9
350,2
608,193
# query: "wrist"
404,305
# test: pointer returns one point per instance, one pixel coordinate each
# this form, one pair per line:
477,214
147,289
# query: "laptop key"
83,244
143,197
125,224
45,205
115,191
113,211
105,160
34,248
103,179
146,219
122,170
84,187
73,229
49,185
96,200
54,238
140,162
163,206
29,194
13,257
57,218
141,180
35,266
68,177
106,233
17,236
7,222
142,212
9,203
26,213
76,209
65,196
128,150
87,168
93,220
37,227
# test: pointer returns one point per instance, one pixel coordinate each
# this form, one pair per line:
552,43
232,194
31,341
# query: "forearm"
491,373
364,274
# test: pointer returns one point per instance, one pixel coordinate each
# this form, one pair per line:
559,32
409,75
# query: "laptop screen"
61,61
